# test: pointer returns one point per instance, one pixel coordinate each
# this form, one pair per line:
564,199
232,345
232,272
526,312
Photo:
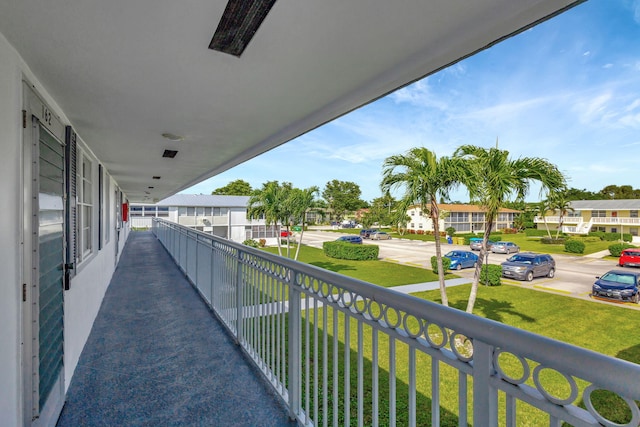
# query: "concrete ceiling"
127,71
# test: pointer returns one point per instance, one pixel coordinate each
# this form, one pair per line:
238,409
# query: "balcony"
333,349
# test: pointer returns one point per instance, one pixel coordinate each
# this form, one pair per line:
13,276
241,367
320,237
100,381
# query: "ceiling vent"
169,153
239,23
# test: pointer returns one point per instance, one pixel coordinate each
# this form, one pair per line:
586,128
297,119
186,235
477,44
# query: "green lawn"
377,272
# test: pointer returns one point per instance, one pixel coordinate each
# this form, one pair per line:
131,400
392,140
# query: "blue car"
462,259
350,239
619,285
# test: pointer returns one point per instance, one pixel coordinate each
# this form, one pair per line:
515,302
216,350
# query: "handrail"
390,313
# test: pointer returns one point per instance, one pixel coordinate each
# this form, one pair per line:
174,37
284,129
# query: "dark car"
504,248
630,258
365,233
462,259
476,244
350,239
618,284
526,266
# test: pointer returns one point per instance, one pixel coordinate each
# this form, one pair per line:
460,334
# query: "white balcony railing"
609,220
327,343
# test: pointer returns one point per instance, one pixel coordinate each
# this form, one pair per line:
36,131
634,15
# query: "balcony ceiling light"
239,23
172,136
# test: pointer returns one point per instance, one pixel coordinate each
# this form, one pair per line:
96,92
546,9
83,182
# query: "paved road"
574,274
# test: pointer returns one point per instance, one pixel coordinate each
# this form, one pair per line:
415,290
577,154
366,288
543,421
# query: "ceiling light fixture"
172,137
239,23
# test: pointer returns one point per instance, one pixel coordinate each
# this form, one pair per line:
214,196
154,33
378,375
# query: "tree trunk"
476,275
295,257
436,231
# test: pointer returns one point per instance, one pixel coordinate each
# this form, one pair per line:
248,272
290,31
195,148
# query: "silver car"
505,248
379,235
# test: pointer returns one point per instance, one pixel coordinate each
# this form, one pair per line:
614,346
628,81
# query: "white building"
107,102
224,216
465,218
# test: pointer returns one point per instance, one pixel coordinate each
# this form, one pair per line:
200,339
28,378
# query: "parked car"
285,234
379,235
504,248
630,258
618,284
526,266
462,259
476,244
350,239
365,233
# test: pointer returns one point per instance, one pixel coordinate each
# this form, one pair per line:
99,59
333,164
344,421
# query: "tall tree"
493,178
559,203
342,197
542,208
238,187
301,201
618,192
424,178
270,202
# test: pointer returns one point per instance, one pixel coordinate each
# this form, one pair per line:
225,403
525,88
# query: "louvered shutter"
70,154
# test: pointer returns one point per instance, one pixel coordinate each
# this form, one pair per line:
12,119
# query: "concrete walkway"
156,356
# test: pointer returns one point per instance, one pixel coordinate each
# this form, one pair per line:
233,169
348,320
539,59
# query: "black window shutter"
100,207
71,205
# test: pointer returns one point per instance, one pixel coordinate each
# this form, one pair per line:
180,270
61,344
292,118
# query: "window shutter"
100,207
71,210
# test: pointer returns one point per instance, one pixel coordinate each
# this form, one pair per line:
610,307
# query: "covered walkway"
157,356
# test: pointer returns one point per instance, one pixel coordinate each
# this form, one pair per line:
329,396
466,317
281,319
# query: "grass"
380,273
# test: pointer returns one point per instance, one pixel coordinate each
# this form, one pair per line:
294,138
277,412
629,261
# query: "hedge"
574,246
351,251
617,248
534,232
491,275
446,264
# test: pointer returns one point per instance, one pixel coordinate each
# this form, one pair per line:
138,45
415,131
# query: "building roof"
622,204
461,207
205,200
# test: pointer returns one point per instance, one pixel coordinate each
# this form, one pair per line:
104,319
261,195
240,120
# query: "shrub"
446,264
251,242
574,246
262,243
510,230
617,248
491,275
627,237
598,234
450,231
345,250
611,237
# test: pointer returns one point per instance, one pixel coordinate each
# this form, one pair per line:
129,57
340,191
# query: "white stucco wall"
87,288
10,234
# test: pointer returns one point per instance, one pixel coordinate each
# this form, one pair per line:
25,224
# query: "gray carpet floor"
156,356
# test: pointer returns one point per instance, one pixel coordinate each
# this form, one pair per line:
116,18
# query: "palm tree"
558,203
492,178
302,201
542,207
269,203
424,178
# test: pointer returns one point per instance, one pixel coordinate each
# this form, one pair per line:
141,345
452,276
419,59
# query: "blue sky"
567,90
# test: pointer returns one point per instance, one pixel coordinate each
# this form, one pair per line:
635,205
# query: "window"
633,214
599,214
182,211
163,210
191,211
135,210
477,217
85,207
207,211
222,212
